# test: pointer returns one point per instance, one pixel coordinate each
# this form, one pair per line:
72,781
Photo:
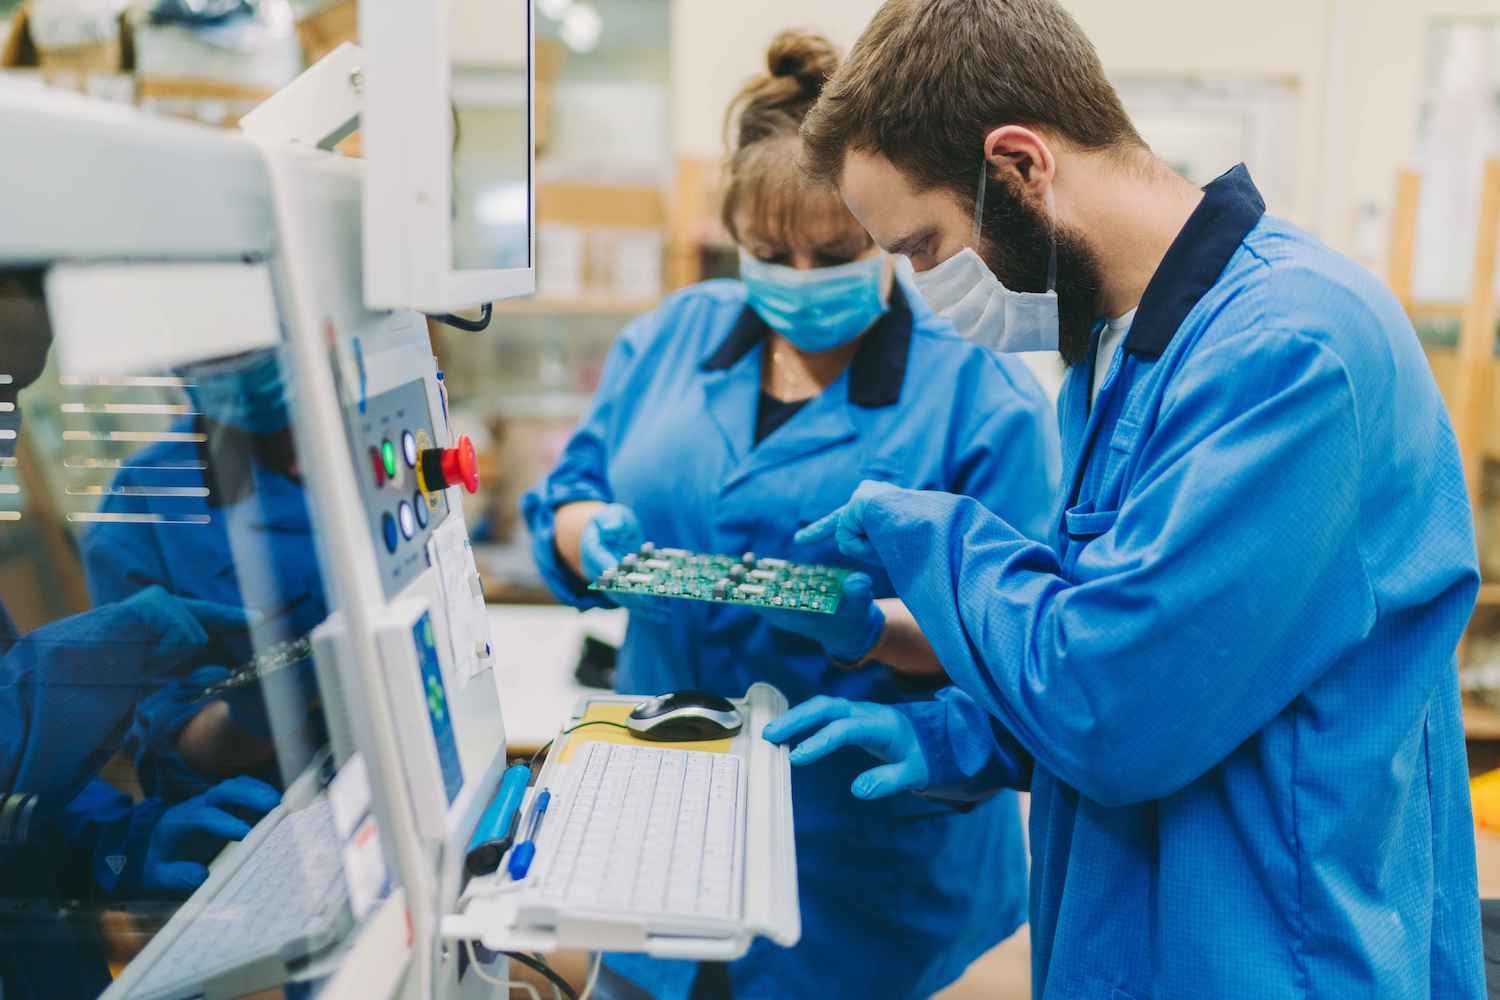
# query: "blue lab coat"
897,896
1230,681
248,543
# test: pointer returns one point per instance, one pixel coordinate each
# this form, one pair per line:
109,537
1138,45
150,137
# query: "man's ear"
1020,151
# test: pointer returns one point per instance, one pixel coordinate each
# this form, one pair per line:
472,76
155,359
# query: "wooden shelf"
1480,721
569,406
591,305
1467,374
1446,367
1437,311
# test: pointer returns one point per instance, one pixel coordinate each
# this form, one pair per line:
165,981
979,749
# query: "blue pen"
525,851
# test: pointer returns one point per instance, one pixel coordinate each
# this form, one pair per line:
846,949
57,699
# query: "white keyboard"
286,899
648,830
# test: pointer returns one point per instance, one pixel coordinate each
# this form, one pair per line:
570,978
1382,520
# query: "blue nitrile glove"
612,534
880,729
849,633
186,629
189,834
846,525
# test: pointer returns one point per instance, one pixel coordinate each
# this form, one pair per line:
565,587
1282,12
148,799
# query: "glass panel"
491,136
159,584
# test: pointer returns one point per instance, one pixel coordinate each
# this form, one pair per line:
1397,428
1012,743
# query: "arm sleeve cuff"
120,854
540,515
969,755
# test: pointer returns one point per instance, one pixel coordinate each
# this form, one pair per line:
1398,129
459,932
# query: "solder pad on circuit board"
761,583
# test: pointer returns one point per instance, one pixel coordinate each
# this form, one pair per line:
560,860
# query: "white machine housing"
406,127
215,221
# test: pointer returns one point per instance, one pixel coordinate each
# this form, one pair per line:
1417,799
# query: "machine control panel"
394,431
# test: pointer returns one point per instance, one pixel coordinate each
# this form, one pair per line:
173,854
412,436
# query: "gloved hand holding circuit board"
746,580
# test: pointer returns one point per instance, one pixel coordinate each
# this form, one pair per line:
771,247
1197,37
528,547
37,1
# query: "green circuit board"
267,661
747,580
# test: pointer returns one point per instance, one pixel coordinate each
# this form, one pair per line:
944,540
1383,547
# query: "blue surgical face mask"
247,391
815,310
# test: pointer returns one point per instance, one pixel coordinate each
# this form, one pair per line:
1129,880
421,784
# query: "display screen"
439,715
491,90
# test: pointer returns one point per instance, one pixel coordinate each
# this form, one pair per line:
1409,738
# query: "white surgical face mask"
963,290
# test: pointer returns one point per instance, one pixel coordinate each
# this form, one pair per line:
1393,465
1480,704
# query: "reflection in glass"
159,585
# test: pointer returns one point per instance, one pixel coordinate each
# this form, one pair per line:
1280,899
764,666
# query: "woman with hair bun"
731,416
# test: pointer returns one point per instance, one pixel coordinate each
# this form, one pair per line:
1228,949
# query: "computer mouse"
679,716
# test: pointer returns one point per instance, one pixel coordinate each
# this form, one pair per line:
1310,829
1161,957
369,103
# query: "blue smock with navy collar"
1230,680
897,897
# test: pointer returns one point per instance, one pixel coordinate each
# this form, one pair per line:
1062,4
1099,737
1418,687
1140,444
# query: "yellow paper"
616,712
1484,791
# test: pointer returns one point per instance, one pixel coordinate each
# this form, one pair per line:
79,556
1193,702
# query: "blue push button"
419,504
388,529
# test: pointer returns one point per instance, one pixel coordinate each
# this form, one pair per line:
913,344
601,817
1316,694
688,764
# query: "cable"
515,984
571,729
588,987
538,966
468,325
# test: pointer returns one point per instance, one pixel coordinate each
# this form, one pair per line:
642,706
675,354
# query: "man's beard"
1016,244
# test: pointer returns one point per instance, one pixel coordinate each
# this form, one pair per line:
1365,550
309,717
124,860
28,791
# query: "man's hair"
929,79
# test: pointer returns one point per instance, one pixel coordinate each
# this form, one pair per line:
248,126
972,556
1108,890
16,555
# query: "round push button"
388,529
408,520
445,467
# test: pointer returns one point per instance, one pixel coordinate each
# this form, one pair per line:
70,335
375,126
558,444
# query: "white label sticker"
364,866
468,619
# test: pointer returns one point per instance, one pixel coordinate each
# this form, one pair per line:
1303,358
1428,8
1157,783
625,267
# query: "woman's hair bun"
762,122
808,58
774,103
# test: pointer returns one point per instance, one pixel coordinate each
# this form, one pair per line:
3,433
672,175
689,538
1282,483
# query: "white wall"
1356,64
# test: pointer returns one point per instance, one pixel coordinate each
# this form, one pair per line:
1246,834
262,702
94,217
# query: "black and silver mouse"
679,716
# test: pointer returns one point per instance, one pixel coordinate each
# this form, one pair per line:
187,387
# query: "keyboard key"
646,830
290,888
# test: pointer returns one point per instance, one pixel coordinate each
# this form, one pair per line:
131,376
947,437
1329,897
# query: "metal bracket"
320,108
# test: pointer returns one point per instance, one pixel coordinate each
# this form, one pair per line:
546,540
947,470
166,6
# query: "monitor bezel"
406,131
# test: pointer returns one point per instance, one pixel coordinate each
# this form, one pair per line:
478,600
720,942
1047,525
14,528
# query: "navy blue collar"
1230,208
878,368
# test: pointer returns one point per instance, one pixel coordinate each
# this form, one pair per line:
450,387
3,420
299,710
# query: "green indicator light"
388,457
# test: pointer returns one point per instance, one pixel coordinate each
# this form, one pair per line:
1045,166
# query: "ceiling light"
581,27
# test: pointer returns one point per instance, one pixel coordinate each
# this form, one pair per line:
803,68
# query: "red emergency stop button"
445,467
